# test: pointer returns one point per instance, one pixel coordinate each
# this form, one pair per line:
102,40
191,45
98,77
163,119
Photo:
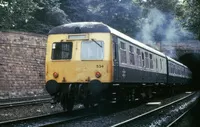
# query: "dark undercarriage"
96,92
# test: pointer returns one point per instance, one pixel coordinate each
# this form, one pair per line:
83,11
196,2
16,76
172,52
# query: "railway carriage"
137,63
177,73
88,61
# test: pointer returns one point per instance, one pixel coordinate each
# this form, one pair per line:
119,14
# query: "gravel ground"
190,119
27,111
113,118
35,110
11,94
25,98
165,116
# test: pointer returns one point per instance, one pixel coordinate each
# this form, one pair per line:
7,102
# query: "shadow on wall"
192,60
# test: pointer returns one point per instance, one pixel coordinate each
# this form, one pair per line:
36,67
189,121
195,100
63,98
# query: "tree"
47,16
77,10
161,5
159,22
190,15
121,15
15,13
31,15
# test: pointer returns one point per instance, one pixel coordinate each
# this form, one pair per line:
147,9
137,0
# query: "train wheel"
70,104
86,105
139,95
132,95
63,101
88,102
148,93
84,95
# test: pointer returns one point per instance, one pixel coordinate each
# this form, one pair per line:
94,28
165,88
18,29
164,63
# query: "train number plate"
99,66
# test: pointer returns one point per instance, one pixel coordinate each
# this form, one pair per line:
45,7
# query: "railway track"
177,119
49,119
79,115
23,102
23,98
156,116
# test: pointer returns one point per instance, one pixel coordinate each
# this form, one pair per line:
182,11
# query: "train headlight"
55,75
98,74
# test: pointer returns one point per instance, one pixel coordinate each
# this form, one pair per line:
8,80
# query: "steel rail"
48,119
27,118
173,122
23,103
53,123
154,110
22,98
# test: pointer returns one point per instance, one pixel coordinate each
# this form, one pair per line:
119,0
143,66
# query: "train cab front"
77,65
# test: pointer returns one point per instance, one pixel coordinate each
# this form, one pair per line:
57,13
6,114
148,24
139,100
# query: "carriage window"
92,50
131,49
151,61
123,52
142,59
176,72
160,64
122,45
138,58
146,60
182,71
174,69
131,55
156,63
61,50
171,67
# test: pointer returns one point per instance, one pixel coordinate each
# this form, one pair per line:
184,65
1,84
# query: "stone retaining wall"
22,64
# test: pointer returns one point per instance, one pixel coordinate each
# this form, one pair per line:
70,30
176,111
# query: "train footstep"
153,103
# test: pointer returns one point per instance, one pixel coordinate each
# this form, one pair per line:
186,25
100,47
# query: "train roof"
80,27
170,59
94,27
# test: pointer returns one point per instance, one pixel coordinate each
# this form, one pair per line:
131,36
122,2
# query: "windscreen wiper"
96,43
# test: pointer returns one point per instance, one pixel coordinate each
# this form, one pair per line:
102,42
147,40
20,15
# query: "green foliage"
126,16
46,16
119,14
77,10
15,13
162,5
31,15
191,16
115,13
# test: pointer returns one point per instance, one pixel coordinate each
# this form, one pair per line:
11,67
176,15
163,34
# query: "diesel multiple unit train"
88,61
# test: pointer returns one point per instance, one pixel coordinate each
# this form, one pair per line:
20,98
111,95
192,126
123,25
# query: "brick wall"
22,64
